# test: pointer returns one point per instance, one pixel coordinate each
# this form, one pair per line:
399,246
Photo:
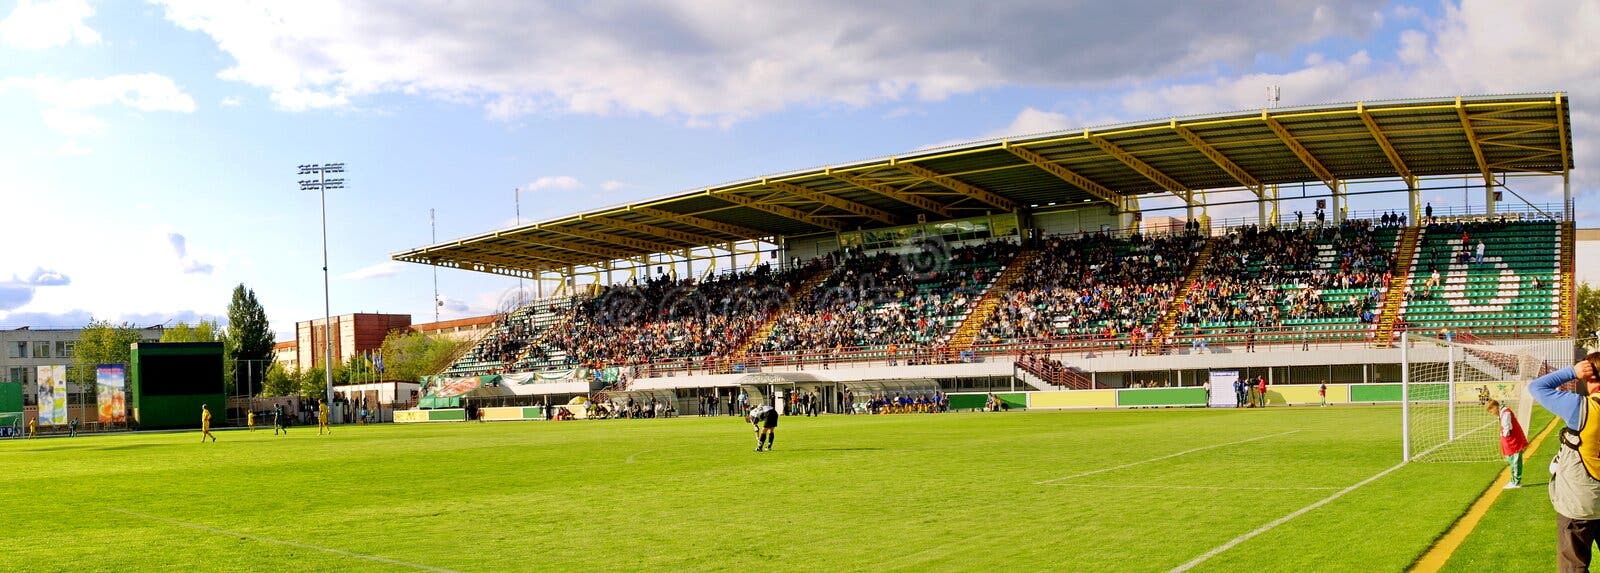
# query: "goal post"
1445,385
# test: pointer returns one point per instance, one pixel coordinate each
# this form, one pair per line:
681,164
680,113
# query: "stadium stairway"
1568,243
965,334
1399,277
566,316
1180,300
765,331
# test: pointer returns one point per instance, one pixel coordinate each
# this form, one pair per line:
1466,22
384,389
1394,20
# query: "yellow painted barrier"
501,413
1296,394
406,416
1472,391
1073,399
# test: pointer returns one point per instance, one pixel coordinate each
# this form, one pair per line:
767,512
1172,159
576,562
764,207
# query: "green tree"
280,382
1588,302
411,355
312,384
101,342
249,338
203,331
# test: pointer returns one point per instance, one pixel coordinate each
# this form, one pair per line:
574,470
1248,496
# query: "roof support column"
1414,195
1339,203
1489,204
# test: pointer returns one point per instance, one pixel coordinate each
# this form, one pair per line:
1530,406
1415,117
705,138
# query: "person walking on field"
1322,392
205,424
1512,441
250,420
1575,472
322,419
1261,391
277,421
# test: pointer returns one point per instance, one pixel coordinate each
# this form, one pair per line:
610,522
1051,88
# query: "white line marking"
200,527
636,454
1280,521
1204,487
1168,456
1302,511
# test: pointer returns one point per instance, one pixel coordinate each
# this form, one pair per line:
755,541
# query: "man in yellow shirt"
322,419
250,420
205,424
33,428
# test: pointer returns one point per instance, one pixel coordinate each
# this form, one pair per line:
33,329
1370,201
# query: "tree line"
247,340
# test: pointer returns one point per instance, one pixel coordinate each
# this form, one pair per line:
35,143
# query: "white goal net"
1446,385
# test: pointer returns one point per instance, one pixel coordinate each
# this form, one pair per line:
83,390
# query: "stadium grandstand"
1026,261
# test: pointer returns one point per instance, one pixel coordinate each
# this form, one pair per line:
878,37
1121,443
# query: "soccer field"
1107,490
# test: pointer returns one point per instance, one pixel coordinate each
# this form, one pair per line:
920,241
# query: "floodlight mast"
322,184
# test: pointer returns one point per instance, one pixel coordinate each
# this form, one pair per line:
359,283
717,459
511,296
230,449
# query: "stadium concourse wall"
1194,396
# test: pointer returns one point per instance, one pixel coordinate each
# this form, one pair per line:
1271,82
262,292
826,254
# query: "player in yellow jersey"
322,419
33,428
205,424
250,420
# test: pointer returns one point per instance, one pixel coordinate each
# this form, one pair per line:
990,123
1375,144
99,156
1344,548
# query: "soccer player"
205,424
1512,441
1575,472
33,428
250,420
322,419
765,419
1322,392
277,421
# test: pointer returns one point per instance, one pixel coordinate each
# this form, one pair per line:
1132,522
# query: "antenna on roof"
1273,95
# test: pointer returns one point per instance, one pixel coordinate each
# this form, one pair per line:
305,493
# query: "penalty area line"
296,544
1157,459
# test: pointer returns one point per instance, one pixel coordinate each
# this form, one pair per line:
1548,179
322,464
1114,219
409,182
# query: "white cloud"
381,270
73,149
189,264
558,182
1475,47
37,25
710,62
231,102
613,185
67,101
69,122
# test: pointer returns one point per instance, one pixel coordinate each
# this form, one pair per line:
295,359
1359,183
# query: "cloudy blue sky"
147,159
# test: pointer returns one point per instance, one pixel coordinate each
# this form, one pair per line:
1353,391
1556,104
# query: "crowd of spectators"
667,318
1266,276
890,299
1093,285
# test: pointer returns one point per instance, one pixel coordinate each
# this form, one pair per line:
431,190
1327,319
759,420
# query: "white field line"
636,454
1201,487
1192,563
297,544
1157,459
1302,511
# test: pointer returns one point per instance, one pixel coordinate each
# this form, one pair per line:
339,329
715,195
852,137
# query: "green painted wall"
1162,397
10,396
975,401
447,415
1391,392
181,411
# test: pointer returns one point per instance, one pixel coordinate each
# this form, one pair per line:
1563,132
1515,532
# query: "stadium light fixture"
321,185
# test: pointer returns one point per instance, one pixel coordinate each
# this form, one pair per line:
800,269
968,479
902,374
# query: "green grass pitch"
1127,491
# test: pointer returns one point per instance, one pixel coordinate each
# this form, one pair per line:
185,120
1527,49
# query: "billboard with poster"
52,395
110,394
1222,394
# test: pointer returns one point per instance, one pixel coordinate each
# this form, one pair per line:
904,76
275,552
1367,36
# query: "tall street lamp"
322,184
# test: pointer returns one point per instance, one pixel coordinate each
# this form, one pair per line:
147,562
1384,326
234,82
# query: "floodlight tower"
322,184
